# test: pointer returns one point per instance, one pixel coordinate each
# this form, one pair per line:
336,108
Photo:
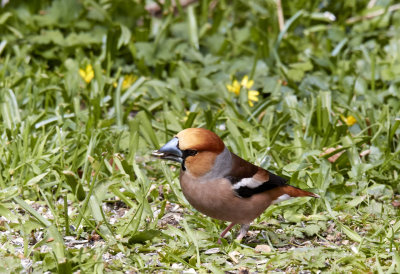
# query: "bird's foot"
224,232
244,228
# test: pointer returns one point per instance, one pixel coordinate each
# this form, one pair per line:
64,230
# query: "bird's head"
195,148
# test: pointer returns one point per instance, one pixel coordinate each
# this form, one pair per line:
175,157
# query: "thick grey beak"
170,151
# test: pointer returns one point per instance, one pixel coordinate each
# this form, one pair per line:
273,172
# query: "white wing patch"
281,198
247,182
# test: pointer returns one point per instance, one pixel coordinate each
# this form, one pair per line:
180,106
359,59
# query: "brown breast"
215,198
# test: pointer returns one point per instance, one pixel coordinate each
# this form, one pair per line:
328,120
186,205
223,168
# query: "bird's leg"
225,231
243,231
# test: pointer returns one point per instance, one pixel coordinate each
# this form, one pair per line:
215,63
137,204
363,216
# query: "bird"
220,184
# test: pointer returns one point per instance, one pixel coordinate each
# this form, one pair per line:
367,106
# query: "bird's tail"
297,192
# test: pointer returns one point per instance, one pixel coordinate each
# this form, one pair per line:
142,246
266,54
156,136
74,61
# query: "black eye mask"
186,153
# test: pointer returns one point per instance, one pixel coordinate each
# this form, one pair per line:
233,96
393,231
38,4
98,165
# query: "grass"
90,88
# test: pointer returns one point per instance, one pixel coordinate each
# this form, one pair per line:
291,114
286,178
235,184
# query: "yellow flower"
349,120
187,116
128,81
252,97
235,87
87,74
246,83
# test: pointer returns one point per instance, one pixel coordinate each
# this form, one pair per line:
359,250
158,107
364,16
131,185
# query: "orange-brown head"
195,148
200,139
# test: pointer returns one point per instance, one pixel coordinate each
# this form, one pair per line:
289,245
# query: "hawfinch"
222,185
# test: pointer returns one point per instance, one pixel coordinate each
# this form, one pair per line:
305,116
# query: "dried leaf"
233,255
263,248
334,157
396,203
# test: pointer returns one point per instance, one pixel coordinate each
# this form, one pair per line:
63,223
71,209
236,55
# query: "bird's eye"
189,152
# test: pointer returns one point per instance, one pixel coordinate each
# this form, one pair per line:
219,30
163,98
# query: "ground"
90,88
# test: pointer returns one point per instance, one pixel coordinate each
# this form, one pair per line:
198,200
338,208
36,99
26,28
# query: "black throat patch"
186,153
